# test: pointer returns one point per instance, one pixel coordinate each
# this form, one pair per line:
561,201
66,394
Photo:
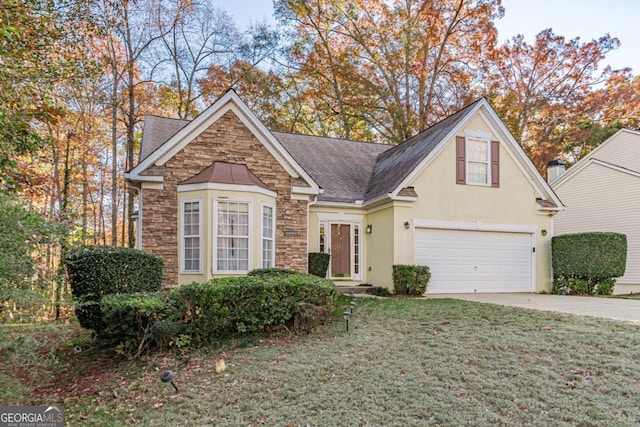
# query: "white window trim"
354,275
182,236
467,161
215,237
262,236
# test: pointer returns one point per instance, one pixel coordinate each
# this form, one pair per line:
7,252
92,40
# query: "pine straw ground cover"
404,362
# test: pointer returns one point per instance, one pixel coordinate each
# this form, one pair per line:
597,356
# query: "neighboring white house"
601,192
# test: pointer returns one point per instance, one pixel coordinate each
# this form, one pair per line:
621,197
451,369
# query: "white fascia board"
351,205
147,178
226,187
152,185
404,198
305,190
340,216
380,199
473,226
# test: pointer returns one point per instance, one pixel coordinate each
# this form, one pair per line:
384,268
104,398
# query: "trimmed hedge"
587,263
274,271
411,279
221,308
140,320
318,263
96,271
236,305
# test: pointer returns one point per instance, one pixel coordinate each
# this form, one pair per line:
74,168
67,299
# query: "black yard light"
353,305
347,315
167,377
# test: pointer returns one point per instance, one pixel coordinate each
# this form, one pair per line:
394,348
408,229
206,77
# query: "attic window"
477,161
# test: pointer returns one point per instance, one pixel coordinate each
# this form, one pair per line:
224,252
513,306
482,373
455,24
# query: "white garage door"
475,261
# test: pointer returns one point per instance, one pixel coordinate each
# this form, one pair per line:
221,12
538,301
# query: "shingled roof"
340,167
394,165
347,171
156,131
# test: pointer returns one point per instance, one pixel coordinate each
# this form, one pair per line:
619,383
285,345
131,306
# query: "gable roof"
341,167
394,165
594,158
165,150
344,171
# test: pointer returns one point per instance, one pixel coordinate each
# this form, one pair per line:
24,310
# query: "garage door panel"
475,261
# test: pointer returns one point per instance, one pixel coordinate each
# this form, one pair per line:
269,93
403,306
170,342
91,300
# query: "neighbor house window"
478,161
267,237
191,232
232,236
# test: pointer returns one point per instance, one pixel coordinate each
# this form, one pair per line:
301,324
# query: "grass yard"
404,362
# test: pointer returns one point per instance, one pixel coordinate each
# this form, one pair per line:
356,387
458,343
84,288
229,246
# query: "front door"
340,250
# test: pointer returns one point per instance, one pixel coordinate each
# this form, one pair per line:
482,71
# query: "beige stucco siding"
441,199
600,198
381,246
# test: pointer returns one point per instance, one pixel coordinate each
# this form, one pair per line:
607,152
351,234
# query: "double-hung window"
477,159
191,232
232,231
478,166
267,237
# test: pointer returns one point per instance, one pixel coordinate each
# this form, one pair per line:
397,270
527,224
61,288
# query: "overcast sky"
587,19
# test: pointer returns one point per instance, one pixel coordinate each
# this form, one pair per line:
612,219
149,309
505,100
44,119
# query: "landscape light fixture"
167,377
347,315
352,304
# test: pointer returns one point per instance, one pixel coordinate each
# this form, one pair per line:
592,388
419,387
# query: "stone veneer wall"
227,140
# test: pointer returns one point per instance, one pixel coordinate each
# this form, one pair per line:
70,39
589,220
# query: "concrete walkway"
612,308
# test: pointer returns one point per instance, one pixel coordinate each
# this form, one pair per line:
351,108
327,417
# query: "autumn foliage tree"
540,89
41,44
394,66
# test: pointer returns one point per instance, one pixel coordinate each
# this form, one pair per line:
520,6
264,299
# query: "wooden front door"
340,250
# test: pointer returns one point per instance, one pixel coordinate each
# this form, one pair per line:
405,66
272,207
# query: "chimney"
555,168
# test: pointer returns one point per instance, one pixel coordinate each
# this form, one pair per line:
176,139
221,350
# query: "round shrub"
95,271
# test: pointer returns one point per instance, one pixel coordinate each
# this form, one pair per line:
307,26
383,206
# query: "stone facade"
227,140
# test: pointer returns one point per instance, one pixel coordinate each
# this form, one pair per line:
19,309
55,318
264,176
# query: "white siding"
599,198
620,150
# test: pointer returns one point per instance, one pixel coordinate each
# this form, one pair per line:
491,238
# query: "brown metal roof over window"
226,173
546,203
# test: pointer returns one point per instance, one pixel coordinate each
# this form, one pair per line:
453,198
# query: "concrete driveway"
611,308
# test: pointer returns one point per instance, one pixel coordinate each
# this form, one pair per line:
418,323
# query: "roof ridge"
305,135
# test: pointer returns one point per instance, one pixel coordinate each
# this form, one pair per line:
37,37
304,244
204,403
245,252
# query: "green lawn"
404,362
